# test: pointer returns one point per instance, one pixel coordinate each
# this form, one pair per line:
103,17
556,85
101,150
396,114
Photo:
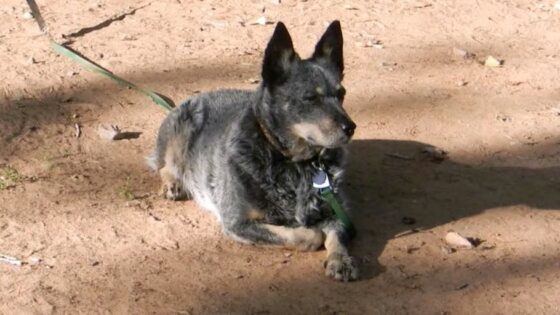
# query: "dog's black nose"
348,127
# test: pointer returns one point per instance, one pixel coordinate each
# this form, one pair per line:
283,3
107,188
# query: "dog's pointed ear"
278,57
328,51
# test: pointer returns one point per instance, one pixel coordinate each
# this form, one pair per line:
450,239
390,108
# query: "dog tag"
321,180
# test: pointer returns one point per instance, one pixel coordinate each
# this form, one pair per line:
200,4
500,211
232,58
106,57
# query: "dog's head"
302,98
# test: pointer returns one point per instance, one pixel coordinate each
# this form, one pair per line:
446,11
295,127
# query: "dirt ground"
84,216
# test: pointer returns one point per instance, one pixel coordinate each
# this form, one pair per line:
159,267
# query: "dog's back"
194,140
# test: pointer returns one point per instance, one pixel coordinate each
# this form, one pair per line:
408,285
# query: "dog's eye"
340,93
310,96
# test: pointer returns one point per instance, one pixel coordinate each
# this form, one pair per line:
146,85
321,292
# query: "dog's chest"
291,197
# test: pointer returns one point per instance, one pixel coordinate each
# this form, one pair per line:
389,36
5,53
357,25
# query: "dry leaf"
493,62
108,133
114,133
262,21
456,240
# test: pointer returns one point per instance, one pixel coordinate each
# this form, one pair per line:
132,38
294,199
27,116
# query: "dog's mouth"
340,141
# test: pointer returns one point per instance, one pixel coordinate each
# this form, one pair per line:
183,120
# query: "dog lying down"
250,156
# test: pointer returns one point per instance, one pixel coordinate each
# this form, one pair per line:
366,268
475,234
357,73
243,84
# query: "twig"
78,130
10,260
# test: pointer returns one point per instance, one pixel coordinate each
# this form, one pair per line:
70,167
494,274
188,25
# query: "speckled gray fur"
243,152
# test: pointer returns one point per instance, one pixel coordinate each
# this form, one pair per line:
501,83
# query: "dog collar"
275,143
322,184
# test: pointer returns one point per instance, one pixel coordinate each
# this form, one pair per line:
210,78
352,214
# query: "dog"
250,156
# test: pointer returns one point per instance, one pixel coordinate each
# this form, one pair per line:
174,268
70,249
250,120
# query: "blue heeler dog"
250,156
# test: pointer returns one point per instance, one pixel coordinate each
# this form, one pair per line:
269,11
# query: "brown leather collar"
274,142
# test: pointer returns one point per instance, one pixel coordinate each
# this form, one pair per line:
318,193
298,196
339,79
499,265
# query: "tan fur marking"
338,265
319,131
255,214
299,238
333,245
168,179
170,172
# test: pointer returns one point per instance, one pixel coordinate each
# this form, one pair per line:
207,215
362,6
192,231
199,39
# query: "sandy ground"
66,208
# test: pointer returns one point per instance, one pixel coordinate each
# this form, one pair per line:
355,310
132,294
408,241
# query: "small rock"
287,255
503,117
447,250
461,83
434,154
371,43
462,53
27,15
31,61
253,80
277,2
488,246
456,240
493,62
388,64
34,260
71,73
95,263
128,37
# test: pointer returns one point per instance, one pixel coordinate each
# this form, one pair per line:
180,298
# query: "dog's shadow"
388,180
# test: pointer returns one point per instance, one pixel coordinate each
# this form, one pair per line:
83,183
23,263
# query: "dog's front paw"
341,267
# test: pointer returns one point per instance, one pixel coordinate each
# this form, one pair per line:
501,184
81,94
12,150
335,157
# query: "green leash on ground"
90,66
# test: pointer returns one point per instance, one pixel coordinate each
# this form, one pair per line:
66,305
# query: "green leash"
164,102
322,184
90,66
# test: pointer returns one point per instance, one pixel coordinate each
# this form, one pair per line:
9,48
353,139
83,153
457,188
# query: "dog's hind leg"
174,162
298,238
169,157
